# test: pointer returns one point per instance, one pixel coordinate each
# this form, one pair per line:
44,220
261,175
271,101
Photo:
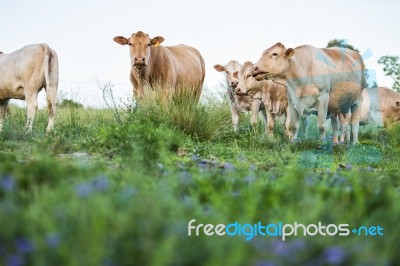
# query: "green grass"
106,191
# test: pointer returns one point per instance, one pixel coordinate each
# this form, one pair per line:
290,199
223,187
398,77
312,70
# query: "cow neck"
231,94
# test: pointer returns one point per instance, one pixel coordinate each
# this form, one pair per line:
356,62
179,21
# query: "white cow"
23,74
328,81
240,103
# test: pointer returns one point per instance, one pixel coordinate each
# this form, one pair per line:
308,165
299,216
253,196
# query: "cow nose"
234,84
139,61
238,90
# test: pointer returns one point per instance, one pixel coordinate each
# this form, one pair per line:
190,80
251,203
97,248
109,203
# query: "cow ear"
121,40
157,40
219,68
236,74
289,52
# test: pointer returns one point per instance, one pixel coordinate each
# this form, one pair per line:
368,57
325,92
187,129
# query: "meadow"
119,186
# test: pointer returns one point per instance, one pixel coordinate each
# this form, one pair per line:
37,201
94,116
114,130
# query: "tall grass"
180,109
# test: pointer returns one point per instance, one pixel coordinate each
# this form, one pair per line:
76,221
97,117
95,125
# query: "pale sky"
82,31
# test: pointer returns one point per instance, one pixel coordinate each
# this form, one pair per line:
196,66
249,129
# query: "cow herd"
288,82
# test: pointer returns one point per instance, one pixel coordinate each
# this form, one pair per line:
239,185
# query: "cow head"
229,69
140,44
247,84
274,62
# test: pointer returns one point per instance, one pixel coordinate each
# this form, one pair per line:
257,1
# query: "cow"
23,74
175,67
240,103
272,95
379,106
328,81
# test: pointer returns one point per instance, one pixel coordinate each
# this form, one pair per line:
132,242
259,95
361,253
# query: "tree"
67,103
391,67
343,44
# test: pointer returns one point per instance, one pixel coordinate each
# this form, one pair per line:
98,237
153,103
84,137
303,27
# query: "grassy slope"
127,197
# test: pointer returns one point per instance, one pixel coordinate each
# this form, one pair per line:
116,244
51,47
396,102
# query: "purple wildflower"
281,248
265,263
250,179
53,240
23,245
14,260
83,190
227,166
101,183
334,255
7,183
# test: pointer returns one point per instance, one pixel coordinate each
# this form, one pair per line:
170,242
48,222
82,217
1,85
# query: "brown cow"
175,67
328,81
23,74
240,103
272,95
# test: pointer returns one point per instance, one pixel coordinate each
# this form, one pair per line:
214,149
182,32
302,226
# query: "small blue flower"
227,166
250,179
128,192
7,183
281,248
334,255
101,183
265,263
84,190
23,245
53,240
185,178
14,260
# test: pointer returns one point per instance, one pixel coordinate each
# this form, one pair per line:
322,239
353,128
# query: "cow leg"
322,111
302,131
265,117
255,109
235,117
355,122
270,123
335,128
294,123
287,124
3,111
52,106
31,107
344,127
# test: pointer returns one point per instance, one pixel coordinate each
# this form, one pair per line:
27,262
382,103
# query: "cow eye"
274,54
227,72
129,43
149,44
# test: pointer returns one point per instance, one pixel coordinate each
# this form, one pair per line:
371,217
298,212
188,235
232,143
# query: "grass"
106,191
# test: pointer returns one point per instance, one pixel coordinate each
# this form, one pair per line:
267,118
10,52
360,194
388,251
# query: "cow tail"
50,69
46,61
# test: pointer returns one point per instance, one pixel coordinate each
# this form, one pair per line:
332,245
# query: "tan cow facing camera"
175,67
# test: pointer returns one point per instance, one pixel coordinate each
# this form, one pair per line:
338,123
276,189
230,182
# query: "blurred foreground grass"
108,191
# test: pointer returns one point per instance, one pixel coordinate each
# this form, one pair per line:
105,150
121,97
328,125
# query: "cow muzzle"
234,84
240,92
260,75
139,62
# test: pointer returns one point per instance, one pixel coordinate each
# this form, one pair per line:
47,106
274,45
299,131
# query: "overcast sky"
81,32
